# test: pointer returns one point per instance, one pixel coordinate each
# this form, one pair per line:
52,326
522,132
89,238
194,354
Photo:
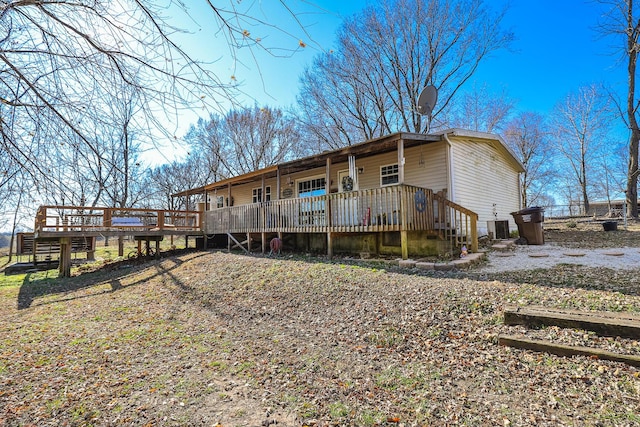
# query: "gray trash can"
529,222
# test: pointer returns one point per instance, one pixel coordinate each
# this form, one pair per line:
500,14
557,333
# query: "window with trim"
389,174
219,202
312,211
311,187
257,194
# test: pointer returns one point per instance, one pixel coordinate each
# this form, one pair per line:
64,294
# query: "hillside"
225,339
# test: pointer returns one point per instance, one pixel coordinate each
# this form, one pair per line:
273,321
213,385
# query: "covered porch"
399,208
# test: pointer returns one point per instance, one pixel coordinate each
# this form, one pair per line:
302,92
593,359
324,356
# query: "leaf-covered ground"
211,338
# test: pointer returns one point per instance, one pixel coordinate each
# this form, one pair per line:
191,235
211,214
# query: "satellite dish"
427,100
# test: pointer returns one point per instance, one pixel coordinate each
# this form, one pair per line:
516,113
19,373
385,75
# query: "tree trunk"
585,196
632,172
13,229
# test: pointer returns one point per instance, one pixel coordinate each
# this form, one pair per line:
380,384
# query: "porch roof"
363,149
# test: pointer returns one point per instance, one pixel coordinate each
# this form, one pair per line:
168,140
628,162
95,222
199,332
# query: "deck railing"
88,219
392,208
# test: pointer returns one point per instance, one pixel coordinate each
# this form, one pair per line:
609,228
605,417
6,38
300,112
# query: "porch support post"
400,161
404,241
263,208
278,191
327,208
64,267
229,222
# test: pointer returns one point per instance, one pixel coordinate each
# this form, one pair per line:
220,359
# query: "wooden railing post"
160,219
106,218
474,233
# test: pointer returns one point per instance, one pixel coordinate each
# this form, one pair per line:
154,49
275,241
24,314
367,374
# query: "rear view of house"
405,194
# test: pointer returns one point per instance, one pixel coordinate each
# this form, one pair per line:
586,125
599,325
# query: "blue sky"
556,51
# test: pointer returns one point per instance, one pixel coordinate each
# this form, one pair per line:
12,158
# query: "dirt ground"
219,339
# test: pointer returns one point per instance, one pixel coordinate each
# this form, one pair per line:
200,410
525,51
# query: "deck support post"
64,267
120,246
404,244
474,233
264,242
330,244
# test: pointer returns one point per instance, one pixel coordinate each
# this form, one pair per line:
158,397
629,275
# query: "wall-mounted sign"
287,193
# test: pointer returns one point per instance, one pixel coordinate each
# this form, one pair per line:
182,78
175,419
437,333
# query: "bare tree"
528,137
610,177
581,126
64,63
482,111
245,140
204,140
385,56
173,178
622,21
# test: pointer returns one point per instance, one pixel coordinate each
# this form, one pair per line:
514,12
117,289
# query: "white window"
257,194
312,187
389,175
219,202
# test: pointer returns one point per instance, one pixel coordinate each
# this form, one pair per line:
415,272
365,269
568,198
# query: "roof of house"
371,147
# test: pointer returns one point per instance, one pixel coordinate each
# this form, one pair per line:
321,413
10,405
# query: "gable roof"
368,148
493,139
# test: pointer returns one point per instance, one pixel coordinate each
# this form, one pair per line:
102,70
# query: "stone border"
461,263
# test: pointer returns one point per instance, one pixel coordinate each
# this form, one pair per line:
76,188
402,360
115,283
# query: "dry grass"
215,338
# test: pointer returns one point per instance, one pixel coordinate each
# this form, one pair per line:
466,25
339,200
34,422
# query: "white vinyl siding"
425,166
484,181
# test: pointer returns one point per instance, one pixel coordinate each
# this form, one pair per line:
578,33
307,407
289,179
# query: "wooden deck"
72,221
399,208
65,224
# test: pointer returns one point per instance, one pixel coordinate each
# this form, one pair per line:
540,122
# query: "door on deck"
312,211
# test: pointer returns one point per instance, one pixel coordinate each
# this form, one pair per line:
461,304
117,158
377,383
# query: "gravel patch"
550,255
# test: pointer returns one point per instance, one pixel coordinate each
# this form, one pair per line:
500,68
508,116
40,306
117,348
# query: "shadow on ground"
112,274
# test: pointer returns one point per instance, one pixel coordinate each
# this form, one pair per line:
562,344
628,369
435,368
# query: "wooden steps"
566,350
613,324
603,323
27,245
